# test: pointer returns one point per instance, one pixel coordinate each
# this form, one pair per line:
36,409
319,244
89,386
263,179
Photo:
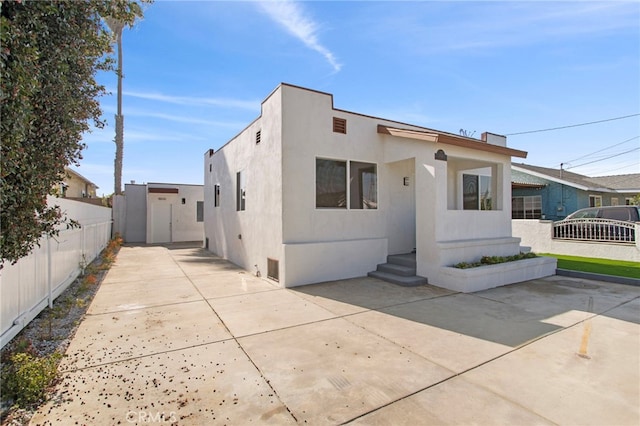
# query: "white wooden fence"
34,282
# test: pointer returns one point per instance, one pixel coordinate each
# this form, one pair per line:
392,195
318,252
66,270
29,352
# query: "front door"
161,222
402,207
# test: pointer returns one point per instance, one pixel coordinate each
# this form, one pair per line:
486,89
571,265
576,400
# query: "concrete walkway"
177,335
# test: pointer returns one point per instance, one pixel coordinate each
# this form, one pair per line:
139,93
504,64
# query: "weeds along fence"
34,282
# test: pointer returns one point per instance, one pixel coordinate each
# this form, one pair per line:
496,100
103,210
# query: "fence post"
95,237
49,268
83,250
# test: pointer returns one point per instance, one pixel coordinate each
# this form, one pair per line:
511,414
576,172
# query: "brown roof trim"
163,190
405,133
450,140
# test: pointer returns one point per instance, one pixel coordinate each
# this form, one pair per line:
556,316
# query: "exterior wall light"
405,181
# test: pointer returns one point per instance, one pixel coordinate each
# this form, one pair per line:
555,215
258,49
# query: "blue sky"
196,72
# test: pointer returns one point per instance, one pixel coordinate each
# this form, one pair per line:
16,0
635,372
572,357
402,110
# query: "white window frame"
481,178
528,200
597,200
347,183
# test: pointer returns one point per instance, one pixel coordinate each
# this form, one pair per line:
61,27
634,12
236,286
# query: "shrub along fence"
34,282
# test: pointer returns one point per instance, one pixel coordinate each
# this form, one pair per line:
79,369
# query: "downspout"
561,190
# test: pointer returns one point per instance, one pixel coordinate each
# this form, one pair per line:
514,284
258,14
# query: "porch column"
431,208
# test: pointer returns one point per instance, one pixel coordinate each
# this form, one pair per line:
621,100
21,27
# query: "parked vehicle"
607,224
624,213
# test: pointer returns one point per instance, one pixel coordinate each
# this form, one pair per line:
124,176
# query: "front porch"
459,206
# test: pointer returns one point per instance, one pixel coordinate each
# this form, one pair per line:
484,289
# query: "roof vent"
339,125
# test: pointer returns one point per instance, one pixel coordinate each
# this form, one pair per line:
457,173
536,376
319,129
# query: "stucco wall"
282,222
184,226
446,233
247,238
142,207
537,235
135,228
307,135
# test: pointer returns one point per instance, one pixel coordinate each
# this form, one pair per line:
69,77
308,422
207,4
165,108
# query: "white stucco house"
161,213
309,193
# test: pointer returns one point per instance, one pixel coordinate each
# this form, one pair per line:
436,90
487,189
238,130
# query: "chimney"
493,139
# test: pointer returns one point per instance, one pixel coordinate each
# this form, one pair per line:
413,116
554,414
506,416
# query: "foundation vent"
273,271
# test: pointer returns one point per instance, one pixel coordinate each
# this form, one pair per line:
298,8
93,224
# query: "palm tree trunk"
119,140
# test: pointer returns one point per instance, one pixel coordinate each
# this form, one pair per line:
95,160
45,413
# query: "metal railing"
596,230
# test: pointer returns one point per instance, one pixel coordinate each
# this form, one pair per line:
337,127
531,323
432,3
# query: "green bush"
494,260
26,378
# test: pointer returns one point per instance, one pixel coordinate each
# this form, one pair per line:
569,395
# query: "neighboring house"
76,186
161,213
309,193
545,193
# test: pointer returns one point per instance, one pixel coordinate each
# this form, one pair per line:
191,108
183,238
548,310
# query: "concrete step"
403,259
398,279
393,268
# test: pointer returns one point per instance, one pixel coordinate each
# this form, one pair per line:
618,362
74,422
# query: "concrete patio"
177,335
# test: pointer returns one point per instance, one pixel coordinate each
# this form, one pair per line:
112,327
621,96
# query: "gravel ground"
51,331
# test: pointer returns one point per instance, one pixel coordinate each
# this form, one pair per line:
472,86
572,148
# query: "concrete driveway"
177,335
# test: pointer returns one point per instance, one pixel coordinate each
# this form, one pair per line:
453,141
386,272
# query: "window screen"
363,189
331,183
199,211
240,191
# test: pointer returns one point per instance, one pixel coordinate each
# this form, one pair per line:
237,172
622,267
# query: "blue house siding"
552,195
562,192
558,200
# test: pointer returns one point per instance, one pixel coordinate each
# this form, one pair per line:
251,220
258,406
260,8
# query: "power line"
603,149
611,170
572,125
602,159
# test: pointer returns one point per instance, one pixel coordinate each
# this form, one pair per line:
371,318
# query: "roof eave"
551,178
450,140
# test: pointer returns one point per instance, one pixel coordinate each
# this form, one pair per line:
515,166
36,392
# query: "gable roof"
629,183
72,172
621,183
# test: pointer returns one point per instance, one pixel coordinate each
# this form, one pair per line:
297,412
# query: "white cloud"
447,27
292,17
134,112
195,101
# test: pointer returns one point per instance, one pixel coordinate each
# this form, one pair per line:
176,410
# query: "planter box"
490,276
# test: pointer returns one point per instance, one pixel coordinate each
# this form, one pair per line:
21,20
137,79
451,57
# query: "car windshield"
585,214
